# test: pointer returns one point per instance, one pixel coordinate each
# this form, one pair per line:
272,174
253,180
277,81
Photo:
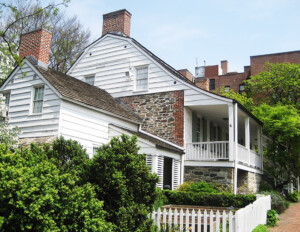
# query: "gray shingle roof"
74,89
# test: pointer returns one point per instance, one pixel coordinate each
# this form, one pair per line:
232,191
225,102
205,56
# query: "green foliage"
265,186
282,125
272,218
260,228
241,98
161,199
279,83
125,184
209,199
293,197
278,202
202,186
35,195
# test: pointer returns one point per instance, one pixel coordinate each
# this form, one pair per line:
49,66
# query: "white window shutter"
149,160
176,174
160,171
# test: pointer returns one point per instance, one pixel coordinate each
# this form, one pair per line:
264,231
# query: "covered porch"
224,135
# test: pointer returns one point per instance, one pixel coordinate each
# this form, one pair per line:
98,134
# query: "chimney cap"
39,29
116,13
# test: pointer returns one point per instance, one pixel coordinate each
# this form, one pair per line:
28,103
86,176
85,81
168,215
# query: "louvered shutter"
149,161
176,174
160,171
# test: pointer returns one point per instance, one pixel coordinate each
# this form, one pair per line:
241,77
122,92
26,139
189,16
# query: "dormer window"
141,82
38,99
90,80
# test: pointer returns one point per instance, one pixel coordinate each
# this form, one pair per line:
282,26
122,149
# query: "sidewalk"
289,220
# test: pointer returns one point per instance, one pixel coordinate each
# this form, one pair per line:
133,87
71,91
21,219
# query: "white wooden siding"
21,93
87,126
188,130
112,56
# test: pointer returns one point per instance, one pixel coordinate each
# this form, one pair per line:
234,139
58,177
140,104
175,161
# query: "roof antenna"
196,61
204,61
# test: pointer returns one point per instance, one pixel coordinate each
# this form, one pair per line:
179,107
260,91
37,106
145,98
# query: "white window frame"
6,93
135,79
89,77
33,100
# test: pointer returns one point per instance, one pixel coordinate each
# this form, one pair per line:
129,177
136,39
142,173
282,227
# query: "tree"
282,125
36,195
279,83
125,183
68,35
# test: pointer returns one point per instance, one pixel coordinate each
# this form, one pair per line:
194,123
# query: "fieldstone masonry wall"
219,175
162,114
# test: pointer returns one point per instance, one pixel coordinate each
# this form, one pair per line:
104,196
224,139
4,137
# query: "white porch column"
259,145
154,163
208,130
236,146
182,169
230,132
247,137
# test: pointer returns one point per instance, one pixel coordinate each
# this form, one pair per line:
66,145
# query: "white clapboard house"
221,139
46,104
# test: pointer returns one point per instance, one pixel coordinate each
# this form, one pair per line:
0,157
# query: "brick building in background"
214,76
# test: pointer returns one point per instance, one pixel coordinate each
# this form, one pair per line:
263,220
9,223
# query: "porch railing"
207,151
219,150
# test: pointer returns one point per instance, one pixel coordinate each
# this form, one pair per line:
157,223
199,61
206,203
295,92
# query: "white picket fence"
243,220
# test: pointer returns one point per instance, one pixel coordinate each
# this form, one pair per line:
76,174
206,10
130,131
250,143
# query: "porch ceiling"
215,113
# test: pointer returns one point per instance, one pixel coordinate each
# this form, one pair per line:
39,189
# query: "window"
7,98
38,100
95,150
227,89
141,78
212,85
90,80
242,88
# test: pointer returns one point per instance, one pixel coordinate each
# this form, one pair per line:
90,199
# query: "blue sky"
180,31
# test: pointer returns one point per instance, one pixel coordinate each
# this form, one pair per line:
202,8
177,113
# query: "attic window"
90,80
227,89
38,99
242,88
141,82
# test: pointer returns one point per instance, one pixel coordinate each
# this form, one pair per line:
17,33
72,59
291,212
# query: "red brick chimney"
224,67
117,21
37,44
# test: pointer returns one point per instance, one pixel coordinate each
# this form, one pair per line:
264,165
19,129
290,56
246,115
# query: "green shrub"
36,194
265,186
293,197
161,199
272,218
125,183
202,186
260,228
209,199
279,203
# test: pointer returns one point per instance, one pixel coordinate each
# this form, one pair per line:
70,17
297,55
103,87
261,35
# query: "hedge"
209,199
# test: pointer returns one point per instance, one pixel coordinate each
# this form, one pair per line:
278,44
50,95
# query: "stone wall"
248,181
219,175
162,114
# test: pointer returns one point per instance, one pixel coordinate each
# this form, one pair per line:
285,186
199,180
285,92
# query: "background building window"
212,85
142,78
38,100
227,89
242,88
90,80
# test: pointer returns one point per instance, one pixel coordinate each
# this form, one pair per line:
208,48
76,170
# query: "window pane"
90,80
39,93
211,84
7,97
142,78
37,106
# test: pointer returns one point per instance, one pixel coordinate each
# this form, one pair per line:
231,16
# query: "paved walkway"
289,220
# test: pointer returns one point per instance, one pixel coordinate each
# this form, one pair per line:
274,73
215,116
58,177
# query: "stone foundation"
221,175
248,181
39,141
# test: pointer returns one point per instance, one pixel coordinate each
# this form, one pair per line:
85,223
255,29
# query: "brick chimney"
117,22
187,74
36,44
224,67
